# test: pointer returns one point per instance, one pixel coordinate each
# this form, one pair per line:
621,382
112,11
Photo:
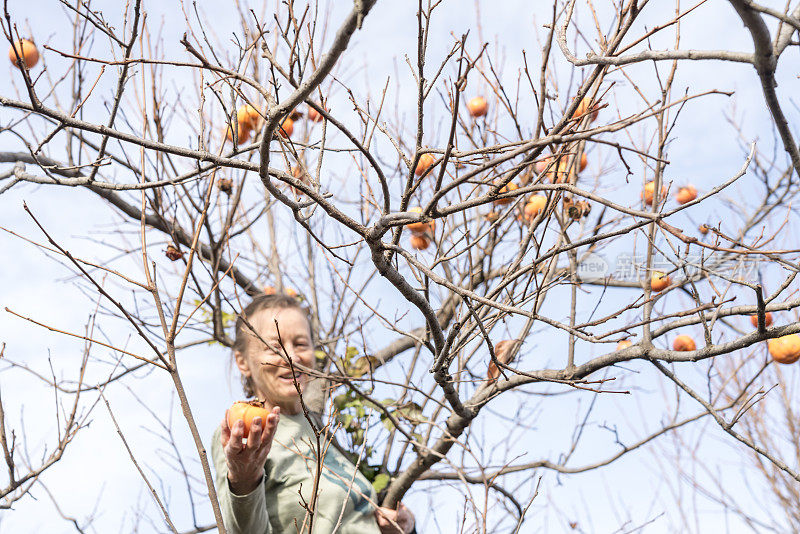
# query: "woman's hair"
277,301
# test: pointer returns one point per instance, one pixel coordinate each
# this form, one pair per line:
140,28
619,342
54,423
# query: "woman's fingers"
254,437
225,434
405,518
246,457
389,520
386,517
270,426
237,435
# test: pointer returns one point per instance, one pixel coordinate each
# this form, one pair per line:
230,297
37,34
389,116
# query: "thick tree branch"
765,63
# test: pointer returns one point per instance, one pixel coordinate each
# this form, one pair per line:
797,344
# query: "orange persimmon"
420,227
683,343
313,115
533,207
584,107
243,133
686,194
420,241
767,319
286,128
511,186
542,164
785,349
248,116
649,193
26,50
477,106
247,411
659,281
424,163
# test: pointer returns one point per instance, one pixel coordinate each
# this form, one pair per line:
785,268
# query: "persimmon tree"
483,239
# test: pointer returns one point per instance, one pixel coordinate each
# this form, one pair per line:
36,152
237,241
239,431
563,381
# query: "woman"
264,483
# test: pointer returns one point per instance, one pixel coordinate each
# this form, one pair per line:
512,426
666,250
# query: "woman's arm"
240,474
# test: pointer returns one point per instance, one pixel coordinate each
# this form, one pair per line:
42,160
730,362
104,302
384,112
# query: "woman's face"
266,361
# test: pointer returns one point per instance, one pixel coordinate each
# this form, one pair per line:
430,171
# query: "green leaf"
351,353
340,400
374,406
368,471
345,419
380,482
227,318
320,354
361,366
411,412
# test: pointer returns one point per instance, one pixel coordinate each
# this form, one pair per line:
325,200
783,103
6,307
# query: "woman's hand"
389,520
246,458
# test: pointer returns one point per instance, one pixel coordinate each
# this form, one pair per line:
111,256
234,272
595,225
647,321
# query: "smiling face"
266,361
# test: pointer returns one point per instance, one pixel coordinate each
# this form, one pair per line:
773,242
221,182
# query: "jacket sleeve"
242,514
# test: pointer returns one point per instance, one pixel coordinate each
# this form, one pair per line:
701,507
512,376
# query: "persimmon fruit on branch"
624,344
583,108
420,227
424,163
533,207
419,241
314,115
683,343
649,193
248,116
685,194
785,349
477,106
659,281
767,319
508,188
26,50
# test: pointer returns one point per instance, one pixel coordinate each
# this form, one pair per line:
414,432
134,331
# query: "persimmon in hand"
246,411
